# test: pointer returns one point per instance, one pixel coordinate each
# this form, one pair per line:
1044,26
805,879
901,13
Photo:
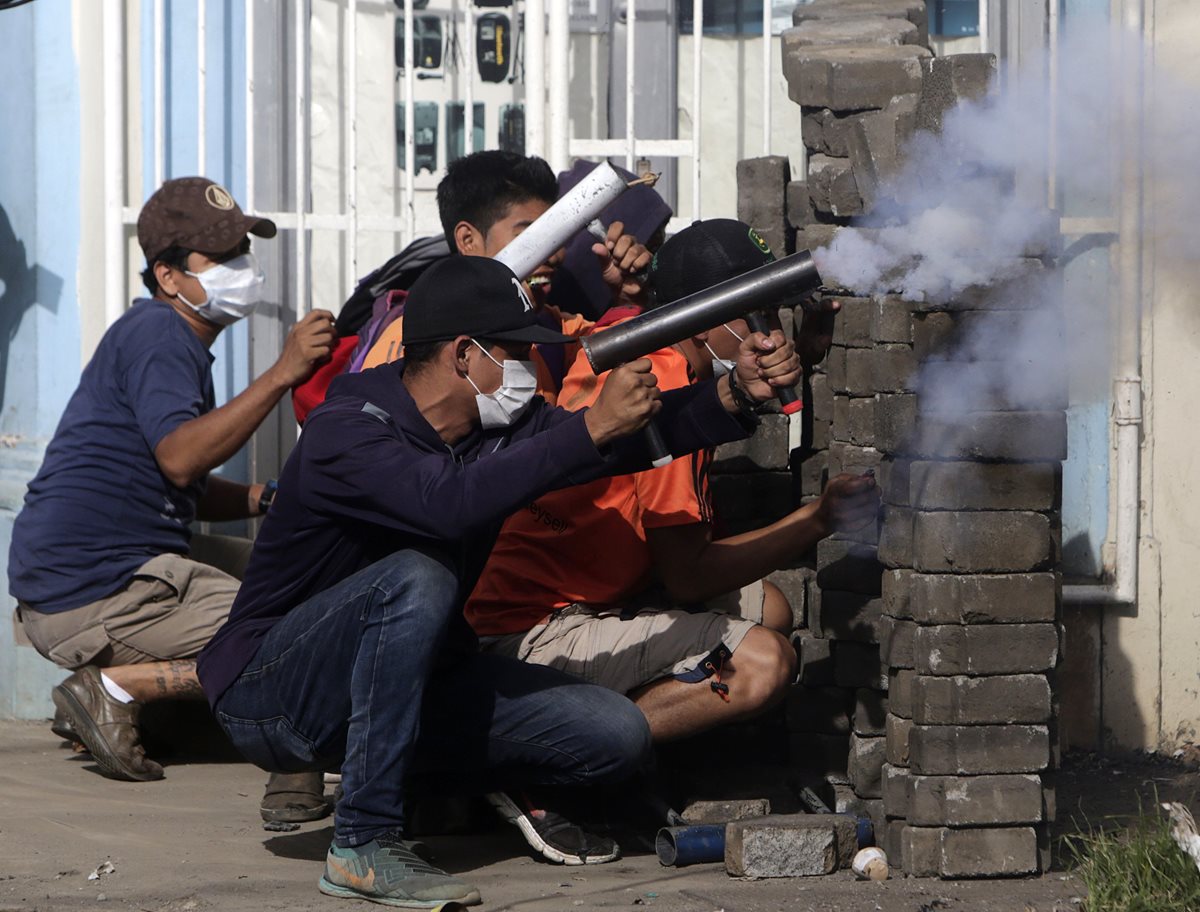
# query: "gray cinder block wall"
928,643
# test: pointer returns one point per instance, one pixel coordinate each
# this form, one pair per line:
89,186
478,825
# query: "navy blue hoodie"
370,476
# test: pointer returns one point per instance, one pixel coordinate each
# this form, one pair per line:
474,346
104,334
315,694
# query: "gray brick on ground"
823,710
816,236
832,188
762,184
953,750
852,323
895,422
896,537
897,642
827,32
712,812
767,449
1014,436
981,542
857,665
859,428
900,693
998,700
1016,598
870,711
814,655
983,486
950,80
766,848
791,845
998,852
898,734
896,591
974,800
826,755
848,566
865,765
891,320
921,851
986,649
850,615
896,790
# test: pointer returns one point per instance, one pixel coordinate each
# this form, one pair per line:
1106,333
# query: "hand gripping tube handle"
789,402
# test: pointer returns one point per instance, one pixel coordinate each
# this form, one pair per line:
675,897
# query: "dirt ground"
193,842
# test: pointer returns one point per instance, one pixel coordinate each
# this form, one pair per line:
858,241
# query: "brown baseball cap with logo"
196,214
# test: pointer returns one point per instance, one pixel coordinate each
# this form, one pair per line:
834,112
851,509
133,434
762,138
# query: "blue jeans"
357,676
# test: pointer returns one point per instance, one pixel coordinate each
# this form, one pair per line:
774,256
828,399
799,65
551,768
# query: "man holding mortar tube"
622,582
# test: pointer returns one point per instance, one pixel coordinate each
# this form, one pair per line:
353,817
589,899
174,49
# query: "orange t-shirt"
389,347
588,543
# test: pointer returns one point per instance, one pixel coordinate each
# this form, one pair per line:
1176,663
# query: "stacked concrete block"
970,450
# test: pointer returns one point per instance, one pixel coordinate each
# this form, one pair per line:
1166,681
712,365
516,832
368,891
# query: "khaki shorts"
171,608
624,649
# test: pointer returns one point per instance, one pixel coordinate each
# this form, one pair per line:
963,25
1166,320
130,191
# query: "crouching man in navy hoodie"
347,642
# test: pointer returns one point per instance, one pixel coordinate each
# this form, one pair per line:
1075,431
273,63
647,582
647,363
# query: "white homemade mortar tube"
742,296
562,221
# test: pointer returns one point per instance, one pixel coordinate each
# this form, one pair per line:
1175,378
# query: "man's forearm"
198,446
730,563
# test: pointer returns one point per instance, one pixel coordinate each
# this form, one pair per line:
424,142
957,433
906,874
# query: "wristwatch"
745,404
268,495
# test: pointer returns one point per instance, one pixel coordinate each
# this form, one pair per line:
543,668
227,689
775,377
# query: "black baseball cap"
196,214
471,296
704,254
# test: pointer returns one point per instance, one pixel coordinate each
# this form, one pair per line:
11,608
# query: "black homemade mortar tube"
760,289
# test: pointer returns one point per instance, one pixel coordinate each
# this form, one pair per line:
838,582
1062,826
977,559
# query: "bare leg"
173,679
757,674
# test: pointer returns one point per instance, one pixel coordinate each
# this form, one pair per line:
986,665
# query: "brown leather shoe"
107,727
295,798
61,726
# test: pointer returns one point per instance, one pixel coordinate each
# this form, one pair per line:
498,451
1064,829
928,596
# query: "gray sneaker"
386,870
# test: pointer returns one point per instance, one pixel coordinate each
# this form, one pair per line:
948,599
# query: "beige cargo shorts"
626,647
171,608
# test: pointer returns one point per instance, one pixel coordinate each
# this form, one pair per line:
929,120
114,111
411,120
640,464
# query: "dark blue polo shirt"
100,507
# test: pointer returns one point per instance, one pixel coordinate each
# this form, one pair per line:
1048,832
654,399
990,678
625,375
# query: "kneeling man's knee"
621,735
765,664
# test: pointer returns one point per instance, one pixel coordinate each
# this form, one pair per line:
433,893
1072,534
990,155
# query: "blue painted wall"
40,272
39,311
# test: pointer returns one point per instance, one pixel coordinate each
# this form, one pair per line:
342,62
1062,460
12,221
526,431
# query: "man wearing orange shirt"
485,201
621,582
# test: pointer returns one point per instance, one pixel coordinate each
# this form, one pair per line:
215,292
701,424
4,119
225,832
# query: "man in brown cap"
101,562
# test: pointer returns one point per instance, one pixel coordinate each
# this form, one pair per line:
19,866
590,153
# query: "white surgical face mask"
510,400
232,289
723,366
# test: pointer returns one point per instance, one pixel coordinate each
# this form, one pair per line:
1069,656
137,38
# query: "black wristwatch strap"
745,404
268,495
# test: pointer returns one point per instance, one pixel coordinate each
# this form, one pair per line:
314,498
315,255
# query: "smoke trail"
956,218
950,216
